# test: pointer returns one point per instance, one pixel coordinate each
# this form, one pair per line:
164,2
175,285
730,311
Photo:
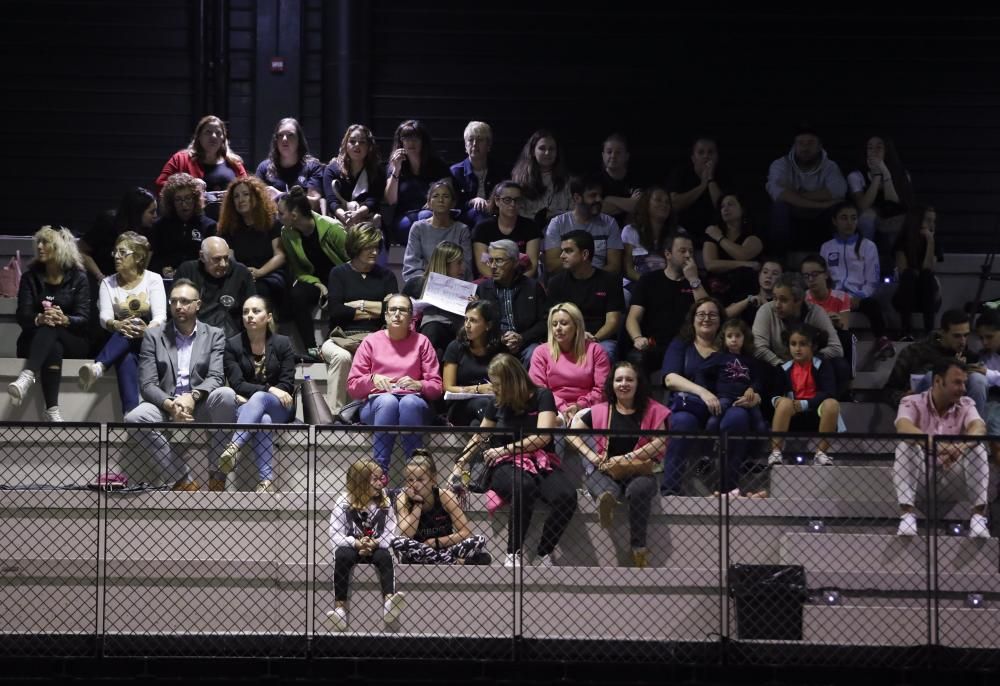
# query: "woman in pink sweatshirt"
572,365
396,369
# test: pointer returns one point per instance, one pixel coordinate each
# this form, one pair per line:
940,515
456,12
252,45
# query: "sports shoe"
89,374
482,559
979,527
822,459
907,525
264,486
216,485
336,619
53,414
513,560
227,460
639,558
884,348
775,458
606,509
394,605
544,561
18,389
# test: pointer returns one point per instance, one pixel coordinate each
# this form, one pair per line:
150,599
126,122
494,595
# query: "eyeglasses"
498,261
184,199
182,302
398,310
122,252
508,200
809,276
710,316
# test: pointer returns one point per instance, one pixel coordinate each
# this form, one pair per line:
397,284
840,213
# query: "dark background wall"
97,95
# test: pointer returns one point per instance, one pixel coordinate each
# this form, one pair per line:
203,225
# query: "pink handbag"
10,277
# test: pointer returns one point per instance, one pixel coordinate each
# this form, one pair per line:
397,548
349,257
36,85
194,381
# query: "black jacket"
221,299
72,296
279,365
530,313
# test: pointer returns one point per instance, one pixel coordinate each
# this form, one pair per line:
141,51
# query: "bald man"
223,282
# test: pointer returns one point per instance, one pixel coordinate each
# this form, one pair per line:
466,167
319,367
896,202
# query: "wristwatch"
695,284
196,395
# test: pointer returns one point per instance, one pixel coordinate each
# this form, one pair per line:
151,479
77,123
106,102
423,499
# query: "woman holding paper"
466,361
438,325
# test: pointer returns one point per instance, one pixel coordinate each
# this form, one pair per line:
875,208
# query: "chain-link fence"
246,541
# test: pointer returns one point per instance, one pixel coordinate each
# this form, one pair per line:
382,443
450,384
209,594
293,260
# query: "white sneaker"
775,458
89,374
336,619
53,415
979,527
907,525
544,561
822,459
394,605
19,388
513,560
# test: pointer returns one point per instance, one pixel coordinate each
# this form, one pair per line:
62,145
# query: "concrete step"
863,551
834,482
888,625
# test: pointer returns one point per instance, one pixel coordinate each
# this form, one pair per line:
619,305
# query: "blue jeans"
611,348
123,354
386,409
261,408
975,388
736,420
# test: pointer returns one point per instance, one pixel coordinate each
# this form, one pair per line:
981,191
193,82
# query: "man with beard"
803,184
223,283
588,197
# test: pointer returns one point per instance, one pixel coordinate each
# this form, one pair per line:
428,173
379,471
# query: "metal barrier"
792,563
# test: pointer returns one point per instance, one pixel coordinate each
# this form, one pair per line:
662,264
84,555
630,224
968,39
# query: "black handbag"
350,413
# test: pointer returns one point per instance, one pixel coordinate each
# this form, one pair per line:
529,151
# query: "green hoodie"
332,236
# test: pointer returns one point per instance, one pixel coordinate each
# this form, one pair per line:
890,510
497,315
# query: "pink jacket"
569,382
655,416
413,356
182,162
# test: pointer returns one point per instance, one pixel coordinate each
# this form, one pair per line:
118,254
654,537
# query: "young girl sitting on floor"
362,524
807,400
434,529
734,375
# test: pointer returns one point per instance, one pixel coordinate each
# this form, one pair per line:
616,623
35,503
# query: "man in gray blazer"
181,379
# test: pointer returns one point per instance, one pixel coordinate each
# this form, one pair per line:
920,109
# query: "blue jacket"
823,377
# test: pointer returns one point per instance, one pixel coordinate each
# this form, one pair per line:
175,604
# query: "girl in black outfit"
434,529
353,181
53,307
916,255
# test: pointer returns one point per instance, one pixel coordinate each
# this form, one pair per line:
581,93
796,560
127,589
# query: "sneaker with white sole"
89,374
19,387
822,459
544,561
775,458
394,605
606,509
979,527
907,525
513,560
337,619
227,460
53,414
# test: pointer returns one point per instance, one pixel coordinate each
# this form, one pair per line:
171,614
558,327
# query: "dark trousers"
553,488
917,291
45,348
303,299
344,560
123,354
871,309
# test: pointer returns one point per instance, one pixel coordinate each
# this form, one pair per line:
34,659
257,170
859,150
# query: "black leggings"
45,348
553,488
302,300
871,309
917,290
344,560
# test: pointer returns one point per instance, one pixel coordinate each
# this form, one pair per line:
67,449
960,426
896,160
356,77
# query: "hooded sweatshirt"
785,175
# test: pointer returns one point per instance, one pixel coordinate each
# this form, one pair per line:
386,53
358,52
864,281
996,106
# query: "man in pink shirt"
944,410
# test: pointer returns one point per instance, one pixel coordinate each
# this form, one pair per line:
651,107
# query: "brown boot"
639,558
216,484
185,485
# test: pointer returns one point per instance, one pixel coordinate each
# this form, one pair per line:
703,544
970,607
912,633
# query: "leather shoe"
216,484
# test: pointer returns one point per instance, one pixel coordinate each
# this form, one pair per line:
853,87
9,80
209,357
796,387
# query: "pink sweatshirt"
569,382
413,356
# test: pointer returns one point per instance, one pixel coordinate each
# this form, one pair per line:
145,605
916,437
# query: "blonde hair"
139,245
422,459
359,481
513,386
579,346
444,254
64,249
361,236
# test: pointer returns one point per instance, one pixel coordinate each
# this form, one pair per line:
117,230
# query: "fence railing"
748,559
